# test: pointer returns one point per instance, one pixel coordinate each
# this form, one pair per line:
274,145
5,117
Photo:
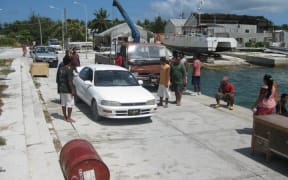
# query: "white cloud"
173,8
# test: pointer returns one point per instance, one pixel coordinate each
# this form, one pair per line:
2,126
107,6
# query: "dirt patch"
2,128
57,145
5,65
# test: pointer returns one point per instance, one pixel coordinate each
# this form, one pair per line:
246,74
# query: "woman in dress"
266,101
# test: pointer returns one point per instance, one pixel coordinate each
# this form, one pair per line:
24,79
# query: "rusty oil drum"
79,161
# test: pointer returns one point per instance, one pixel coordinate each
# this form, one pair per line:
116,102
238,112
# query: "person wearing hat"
226,93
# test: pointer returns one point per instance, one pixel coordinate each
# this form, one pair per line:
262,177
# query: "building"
280,39
243,28
120,32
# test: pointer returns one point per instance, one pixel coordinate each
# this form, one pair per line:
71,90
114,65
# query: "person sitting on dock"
226,93
266,102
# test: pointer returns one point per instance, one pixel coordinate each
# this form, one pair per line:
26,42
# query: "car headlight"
110,103
151,102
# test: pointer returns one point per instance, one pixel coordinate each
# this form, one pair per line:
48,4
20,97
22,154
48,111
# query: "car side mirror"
140,82
87,82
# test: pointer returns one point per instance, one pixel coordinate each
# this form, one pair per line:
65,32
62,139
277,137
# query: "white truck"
55,44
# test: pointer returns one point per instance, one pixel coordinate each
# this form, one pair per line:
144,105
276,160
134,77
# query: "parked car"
113,92
45,54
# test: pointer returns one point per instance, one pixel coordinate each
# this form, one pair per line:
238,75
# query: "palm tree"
75,30
101,22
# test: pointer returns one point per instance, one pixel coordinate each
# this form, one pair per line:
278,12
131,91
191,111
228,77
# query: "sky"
12,10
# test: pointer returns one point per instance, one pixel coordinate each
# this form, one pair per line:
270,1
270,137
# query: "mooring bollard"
80,161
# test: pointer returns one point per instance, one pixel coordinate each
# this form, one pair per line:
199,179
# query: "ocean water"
246,79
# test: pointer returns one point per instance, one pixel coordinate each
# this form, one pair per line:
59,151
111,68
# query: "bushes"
256,44
8,42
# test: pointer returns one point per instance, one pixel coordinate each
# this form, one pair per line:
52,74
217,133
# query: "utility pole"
40,30
63,19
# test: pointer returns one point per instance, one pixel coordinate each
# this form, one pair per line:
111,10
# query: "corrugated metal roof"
178,22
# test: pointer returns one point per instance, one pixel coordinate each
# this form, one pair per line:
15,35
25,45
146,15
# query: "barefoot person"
66,89
225,92
178,79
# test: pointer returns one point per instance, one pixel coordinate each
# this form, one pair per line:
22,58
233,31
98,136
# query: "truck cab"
142,59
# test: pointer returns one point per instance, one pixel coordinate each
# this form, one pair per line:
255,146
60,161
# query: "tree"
75,30
158,25
101,22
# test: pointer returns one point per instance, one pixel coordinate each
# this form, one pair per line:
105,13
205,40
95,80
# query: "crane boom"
132,26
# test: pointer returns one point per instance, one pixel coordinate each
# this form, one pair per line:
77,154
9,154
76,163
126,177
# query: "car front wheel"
94,110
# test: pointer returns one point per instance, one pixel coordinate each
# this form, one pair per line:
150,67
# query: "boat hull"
198,44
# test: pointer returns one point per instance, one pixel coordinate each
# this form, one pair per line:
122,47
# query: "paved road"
190,142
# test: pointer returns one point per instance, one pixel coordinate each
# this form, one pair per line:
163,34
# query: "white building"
243,33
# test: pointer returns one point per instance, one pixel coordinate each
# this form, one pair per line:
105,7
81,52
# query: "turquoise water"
247,81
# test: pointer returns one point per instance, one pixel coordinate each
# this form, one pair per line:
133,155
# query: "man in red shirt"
226,93
119,60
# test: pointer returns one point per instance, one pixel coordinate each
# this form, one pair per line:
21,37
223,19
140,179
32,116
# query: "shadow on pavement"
277,163
57,116
247,131
85,109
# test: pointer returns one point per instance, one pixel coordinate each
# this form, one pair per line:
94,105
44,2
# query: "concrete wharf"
261,58
193,141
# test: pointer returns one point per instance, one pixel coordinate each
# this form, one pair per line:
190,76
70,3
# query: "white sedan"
113,92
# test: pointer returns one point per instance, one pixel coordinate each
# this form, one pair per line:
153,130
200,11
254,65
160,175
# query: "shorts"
195,80
224,97
163,91
67,100
177,88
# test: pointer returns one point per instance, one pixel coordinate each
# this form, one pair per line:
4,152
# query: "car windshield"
114,78
146,52
45,50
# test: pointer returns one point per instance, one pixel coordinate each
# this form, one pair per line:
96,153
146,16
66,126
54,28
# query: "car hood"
125,94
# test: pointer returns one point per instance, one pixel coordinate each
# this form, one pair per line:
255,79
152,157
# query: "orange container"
80,161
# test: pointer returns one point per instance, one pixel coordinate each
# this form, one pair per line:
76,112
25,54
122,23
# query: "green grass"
2,141
6,62
36,84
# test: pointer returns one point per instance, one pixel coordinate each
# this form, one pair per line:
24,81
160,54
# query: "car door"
82,84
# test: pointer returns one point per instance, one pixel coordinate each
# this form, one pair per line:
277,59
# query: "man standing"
164,82
66,57
196,72
66,89
225,92
75,59
24,48
119,60
178,79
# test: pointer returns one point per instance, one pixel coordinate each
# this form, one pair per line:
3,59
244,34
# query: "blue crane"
132,26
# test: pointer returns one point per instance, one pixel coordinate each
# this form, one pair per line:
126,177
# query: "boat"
198,42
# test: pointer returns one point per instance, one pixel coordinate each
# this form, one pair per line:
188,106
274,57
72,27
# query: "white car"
113,92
